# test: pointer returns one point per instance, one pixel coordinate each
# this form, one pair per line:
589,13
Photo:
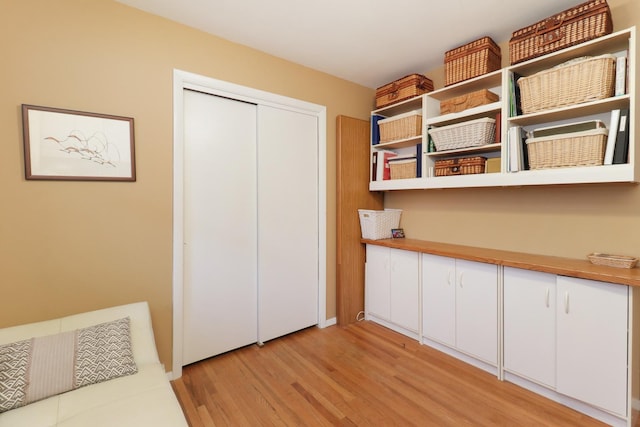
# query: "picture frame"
397,233
62,144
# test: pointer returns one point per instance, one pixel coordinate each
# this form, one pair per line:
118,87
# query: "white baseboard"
328,322
599,414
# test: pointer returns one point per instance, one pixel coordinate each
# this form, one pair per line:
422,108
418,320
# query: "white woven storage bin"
471,133
376,225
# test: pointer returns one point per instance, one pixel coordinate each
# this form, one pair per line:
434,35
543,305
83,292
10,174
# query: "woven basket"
586,21
461,166
401,89
471,133
402,126
468,100
471,60
574,82
619,261
377,225
403,168
567,150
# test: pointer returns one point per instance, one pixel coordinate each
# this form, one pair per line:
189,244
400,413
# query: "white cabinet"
460,305
378,282
500,82
592,342
565,338
529,325
405,289
439,299
569,335
392,288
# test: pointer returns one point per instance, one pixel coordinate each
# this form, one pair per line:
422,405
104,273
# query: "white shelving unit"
498,82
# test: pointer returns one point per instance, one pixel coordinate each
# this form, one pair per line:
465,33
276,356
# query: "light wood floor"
359,375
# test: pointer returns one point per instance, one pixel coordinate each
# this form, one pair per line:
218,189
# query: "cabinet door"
477,309
377,288
438,299
592,342
405,304
530,324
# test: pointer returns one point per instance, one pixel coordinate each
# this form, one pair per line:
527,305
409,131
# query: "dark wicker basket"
573,26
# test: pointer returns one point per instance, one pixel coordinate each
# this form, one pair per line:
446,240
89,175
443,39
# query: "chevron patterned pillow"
33,369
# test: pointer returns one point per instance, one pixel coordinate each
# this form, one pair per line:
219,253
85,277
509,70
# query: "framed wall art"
74,145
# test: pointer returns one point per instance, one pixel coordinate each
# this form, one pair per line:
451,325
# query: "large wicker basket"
473,59
586,21
574,82
471,133
402,126
567,150
401,89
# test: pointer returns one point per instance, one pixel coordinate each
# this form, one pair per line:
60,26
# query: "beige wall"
569,221
72,246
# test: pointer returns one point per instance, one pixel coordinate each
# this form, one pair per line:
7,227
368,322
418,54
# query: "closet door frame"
185,80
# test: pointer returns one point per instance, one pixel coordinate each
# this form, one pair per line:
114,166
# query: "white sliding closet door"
287,222
220,252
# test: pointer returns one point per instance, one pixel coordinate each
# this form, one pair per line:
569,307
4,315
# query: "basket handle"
395,92
550,31
461,100
422,83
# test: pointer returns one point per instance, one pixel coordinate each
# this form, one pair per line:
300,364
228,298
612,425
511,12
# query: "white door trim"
184,80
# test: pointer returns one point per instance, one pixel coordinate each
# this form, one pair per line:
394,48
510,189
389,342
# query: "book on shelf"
381,164
431,147
514,95
419,160
621,150
611,138
518,154
374,166
525,152
498,136
375,129
621,75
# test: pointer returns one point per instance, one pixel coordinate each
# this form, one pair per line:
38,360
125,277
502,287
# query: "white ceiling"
370,42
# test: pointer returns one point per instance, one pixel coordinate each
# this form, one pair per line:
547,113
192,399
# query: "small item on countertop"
620,261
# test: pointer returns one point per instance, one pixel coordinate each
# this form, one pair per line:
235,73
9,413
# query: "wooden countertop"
572,267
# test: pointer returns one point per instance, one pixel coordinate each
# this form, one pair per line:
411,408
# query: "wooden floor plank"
358,375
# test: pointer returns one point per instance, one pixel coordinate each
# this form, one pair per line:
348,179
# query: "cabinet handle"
566,302
449,278
461,277
546,298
